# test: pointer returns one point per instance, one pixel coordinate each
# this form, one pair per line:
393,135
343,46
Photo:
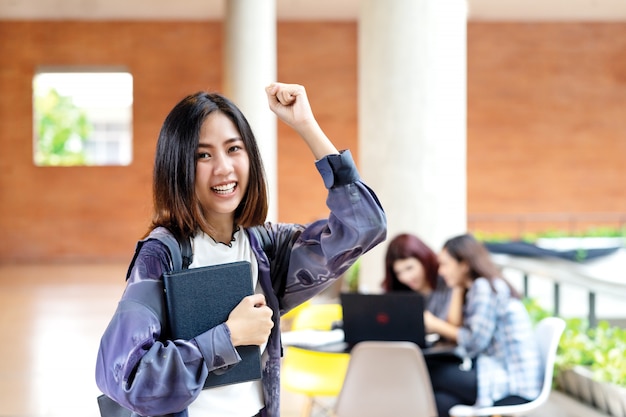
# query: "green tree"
62,129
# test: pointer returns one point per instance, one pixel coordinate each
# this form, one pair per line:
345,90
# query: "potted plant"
609,366
574,357
591,362
591,365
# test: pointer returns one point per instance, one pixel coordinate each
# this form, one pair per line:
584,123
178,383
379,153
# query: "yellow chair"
317,317
286,320
314,373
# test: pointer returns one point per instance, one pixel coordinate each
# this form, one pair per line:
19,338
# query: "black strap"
146,292
179,247
187,251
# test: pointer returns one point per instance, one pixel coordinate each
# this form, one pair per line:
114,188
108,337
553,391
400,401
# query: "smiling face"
222,169
410,272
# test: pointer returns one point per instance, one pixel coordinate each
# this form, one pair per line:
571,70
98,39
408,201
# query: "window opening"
82,118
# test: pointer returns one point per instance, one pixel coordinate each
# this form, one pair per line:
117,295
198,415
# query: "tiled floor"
51,320
559,405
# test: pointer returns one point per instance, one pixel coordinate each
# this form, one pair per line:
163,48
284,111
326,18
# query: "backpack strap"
179,247
149,293
186,252
181,252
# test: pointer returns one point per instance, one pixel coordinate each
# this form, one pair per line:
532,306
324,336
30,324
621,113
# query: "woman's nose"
222,164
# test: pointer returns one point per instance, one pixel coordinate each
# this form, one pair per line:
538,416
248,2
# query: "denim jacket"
141,369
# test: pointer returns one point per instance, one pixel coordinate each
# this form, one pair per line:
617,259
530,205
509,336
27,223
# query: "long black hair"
176,206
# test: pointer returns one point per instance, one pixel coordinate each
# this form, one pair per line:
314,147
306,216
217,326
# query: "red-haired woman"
411,265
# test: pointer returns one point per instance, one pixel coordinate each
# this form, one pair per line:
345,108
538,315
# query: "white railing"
606,277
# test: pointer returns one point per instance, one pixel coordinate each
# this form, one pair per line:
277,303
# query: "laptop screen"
395,316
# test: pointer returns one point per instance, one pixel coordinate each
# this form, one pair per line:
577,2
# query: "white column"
249,66
412,119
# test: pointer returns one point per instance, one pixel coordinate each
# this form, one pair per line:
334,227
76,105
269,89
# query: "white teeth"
224,189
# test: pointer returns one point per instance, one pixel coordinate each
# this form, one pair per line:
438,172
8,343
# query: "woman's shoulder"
152,257
497,283
441,288
481,284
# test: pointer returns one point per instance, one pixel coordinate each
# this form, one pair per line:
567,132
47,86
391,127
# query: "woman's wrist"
317,141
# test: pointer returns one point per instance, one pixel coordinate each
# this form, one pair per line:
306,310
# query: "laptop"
394,316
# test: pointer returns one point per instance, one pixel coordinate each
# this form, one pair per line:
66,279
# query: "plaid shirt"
497,332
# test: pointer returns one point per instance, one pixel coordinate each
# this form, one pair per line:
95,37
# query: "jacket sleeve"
325,249
137,365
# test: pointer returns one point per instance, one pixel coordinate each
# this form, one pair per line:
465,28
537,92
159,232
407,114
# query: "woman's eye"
235,148
203,155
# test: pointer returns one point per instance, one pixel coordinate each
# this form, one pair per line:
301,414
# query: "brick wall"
546,123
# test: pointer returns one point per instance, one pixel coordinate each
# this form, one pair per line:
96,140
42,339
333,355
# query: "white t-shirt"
236,400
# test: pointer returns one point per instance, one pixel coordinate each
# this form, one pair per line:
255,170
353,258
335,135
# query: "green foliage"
600,349
492,237
609,355
62,129
352,276
575,347
535,311
495,237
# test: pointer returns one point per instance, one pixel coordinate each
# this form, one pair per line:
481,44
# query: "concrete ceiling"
485,10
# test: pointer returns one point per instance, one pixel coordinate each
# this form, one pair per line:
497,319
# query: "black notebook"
199,299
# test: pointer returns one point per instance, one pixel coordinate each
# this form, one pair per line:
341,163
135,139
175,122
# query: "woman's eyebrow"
227,142
235,139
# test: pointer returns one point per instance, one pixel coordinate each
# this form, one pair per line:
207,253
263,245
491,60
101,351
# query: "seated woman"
496,333
410,265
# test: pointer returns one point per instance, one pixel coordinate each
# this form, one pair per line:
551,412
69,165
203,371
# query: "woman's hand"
455,310
291,105
250,322
429,323
434,324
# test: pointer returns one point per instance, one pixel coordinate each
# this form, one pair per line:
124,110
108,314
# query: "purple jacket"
140,368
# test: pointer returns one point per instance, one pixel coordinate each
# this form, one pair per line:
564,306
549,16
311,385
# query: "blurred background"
540,145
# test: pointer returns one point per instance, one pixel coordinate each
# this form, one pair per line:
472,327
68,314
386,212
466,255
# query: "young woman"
496,333
209,187
410,265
